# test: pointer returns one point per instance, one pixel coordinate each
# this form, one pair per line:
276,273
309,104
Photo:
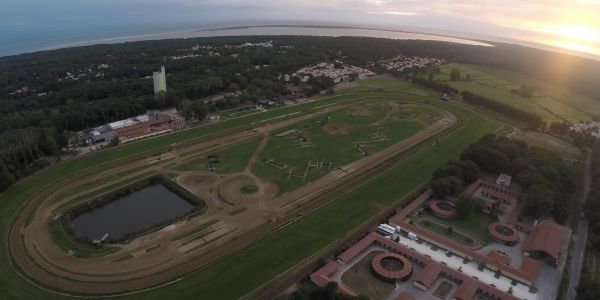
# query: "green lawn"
231,160
551,102
101,181
367,125
79,249
456,234
475,223
264,259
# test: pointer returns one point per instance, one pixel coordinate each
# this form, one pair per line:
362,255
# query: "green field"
475,223
231,160
550,102
372,124
264,259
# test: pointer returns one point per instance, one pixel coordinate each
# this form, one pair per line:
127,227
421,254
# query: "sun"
573,32
573,46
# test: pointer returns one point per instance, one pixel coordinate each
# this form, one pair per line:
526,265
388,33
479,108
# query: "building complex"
517,261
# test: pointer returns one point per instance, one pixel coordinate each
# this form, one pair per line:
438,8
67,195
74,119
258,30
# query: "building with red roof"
546,240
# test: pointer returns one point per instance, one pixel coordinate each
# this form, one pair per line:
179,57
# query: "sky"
33,24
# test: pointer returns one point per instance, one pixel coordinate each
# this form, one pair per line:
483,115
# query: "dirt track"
37,255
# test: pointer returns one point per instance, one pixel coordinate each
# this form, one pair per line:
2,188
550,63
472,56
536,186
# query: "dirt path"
41,259
259,149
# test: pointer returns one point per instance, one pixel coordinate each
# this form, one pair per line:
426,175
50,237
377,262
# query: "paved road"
582,229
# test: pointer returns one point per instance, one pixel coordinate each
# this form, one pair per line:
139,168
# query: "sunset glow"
568,24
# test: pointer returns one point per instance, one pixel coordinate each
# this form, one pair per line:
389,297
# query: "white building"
504,179
160,80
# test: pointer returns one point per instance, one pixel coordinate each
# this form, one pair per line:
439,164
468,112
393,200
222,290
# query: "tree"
455,74
540,200
448,170
115,141
468,204
527,90
233,87
468,169
446,186
200,110
185,108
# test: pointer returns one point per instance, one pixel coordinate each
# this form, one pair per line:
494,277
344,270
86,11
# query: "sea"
308,30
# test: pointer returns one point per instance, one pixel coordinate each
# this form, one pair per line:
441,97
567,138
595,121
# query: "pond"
131,214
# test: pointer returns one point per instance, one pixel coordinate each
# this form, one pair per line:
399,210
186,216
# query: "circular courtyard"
391,267
504,233
443,209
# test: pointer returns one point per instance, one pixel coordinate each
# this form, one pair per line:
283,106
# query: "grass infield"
261,261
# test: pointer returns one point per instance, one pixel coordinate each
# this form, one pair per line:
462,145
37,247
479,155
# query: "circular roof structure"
391,266
444,209
503,233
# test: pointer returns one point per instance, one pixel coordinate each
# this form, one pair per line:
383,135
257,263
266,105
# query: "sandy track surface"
150,264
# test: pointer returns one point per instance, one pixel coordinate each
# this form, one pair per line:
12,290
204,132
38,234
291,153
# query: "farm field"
283,248
553,104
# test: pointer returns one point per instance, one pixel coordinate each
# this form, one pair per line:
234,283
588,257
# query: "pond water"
133,213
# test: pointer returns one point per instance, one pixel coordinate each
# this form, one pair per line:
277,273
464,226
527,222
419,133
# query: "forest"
588,288
47,96
547,181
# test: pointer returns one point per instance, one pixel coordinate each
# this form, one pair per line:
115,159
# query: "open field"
552,103
279,250
546,141
231,160
337,139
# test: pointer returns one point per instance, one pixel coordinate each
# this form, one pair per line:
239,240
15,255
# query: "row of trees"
436,85
533,120
588,288
592,205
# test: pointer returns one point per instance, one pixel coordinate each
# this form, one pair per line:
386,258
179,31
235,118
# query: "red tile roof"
547,237
429,274
357,248
401,214
497,194
451,244
467,289
499,257
405,296
143,128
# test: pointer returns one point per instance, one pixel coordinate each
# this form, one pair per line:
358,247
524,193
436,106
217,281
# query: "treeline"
453,178
21,149
547,180
589,289
436,85
73,89
533,120
592,205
